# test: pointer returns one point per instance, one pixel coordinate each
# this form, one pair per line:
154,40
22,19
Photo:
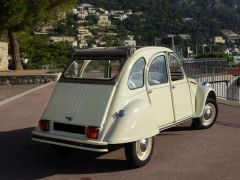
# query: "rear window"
93,69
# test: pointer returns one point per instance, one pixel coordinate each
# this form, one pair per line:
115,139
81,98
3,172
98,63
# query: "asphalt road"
180,153
7,91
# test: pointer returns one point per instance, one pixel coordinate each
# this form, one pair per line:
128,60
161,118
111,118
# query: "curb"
28,79
228,102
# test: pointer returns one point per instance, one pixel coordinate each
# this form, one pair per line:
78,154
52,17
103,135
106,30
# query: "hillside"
202,19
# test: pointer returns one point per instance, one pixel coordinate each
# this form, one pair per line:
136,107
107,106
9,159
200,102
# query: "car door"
159,91
180,90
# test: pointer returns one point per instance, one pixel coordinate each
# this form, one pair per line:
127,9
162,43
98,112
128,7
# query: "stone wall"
3,56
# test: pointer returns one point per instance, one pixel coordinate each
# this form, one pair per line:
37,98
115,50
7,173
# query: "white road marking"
13,98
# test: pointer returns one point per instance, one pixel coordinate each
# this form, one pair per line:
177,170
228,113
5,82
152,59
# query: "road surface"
180,153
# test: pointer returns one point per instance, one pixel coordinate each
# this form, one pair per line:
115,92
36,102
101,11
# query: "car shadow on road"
21,158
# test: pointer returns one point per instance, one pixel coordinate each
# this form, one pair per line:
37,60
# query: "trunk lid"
79,104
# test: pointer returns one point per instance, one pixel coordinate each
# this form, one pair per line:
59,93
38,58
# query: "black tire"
203,122
133,157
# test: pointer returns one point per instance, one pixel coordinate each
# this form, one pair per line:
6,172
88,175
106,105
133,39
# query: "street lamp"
203,46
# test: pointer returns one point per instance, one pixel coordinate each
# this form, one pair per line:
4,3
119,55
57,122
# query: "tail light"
44,125
92,132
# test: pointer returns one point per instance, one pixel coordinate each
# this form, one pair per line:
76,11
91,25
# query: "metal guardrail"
224,79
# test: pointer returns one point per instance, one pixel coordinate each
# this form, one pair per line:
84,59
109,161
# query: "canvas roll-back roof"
121,53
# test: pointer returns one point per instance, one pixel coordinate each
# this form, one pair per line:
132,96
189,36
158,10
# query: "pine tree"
19,15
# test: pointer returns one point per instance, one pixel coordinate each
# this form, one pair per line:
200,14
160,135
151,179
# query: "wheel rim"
143,148
209,114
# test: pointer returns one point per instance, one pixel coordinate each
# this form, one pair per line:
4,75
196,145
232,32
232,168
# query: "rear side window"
175,69
136,77
158,71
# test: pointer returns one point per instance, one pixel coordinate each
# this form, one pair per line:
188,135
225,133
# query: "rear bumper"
70,142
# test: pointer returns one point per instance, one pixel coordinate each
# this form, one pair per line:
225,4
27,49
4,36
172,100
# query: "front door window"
159,91
180,90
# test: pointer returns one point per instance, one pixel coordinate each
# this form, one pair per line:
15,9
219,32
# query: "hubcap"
143,145
208,114
143,148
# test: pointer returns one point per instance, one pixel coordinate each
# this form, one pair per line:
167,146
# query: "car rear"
78,108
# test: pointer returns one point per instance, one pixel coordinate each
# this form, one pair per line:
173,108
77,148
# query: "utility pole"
196,50
173,43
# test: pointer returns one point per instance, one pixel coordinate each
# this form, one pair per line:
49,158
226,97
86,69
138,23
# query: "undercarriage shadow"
32,160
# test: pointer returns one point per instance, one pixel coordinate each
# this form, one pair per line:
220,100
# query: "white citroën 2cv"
109,96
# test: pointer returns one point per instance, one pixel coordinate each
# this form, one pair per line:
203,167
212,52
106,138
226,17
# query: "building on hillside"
82,13
103,11
62,38
187,19
104,21
102,43
81,30
92,10
71,39
46,29
82,43
129,12
185,36
219,40
230,35
86,5
3,56
121,17
108,34
130,41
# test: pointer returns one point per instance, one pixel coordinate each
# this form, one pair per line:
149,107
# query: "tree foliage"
222,55
162,17
18,15
42,53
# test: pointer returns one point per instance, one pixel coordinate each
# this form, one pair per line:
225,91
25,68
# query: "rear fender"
202,94
137,123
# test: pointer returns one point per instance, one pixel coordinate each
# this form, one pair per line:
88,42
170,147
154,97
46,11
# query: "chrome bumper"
77,144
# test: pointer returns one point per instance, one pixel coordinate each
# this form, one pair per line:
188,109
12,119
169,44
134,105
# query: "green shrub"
222,55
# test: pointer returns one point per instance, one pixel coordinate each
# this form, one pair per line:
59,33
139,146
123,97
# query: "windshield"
93,69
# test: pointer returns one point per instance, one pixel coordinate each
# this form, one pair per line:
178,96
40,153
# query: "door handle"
173,86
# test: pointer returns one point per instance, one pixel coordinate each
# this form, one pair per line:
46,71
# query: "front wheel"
209,116
138,153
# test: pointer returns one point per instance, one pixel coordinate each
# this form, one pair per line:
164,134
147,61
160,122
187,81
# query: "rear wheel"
209,116
140,152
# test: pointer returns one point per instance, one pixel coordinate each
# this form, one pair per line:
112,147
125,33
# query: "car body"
109,96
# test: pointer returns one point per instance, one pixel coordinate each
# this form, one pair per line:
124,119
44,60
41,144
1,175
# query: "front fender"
203,92
137,123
